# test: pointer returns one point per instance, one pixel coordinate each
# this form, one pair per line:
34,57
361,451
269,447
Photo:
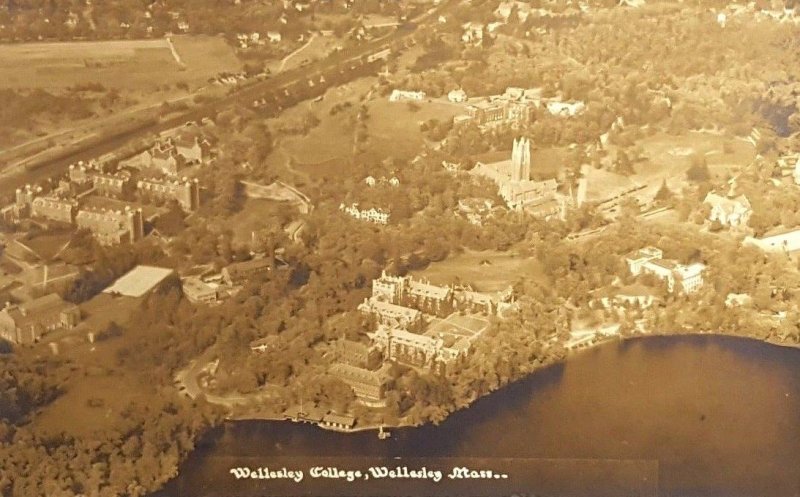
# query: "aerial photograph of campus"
540,248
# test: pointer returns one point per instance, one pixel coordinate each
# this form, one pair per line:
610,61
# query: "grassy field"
331,142
487,271
92,402
127,64
394,126
252,218
669,155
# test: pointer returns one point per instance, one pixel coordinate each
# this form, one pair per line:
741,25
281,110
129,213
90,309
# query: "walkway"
286,59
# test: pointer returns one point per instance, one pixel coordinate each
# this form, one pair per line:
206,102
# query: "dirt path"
291,55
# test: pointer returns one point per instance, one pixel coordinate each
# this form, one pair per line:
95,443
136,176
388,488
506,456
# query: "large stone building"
515,106
513,179
54,209
681,277
353,353
420,295
239,272
115,185
27,323
185,192
415,350
189,148
368,386
391,314
112,227
163,157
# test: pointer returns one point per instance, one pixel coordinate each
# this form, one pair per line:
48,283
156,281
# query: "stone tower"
521,160
134,222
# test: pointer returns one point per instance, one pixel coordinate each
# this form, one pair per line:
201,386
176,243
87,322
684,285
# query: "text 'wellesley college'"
374,472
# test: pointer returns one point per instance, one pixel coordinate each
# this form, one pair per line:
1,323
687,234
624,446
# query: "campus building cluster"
679,277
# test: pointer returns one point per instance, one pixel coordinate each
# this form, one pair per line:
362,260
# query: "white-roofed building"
780,241
682,277
139,281
729,211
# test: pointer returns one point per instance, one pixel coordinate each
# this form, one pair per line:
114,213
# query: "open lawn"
47,246
252,217
670,155
602,184
331,142
666,158
92,400
394,126
125,64
487,271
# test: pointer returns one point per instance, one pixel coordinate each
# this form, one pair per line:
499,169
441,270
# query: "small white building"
457,96
370,181
473,33
738,300
372,215
565,109
274,37
404,95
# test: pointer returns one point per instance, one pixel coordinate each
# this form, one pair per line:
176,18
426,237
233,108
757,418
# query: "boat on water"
382,434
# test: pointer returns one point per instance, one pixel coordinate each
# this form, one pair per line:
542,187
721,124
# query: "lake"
658,416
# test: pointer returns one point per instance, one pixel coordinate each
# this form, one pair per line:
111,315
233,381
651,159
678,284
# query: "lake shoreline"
571,352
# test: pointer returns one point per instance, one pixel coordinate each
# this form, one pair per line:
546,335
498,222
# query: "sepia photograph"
399,248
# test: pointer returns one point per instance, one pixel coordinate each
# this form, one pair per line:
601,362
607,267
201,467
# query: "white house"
565,109
401,95
473,33
729,211
373,215
457,96
369,180
686,278
274,36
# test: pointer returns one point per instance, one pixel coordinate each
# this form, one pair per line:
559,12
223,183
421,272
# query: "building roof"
646,253
42,304
728,204
349,373
781,239
664,264
139,281
428,290
339,419
193,286
391,310
30,312
689,271
239,268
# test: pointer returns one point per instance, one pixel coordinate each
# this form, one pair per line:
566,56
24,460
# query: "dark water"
673,416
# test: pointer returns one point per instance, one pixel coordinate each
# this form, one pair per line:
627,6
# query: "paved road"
186,381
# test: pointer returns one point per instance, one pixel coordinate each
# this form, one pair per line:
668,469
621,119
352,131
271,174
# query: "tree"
664,194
